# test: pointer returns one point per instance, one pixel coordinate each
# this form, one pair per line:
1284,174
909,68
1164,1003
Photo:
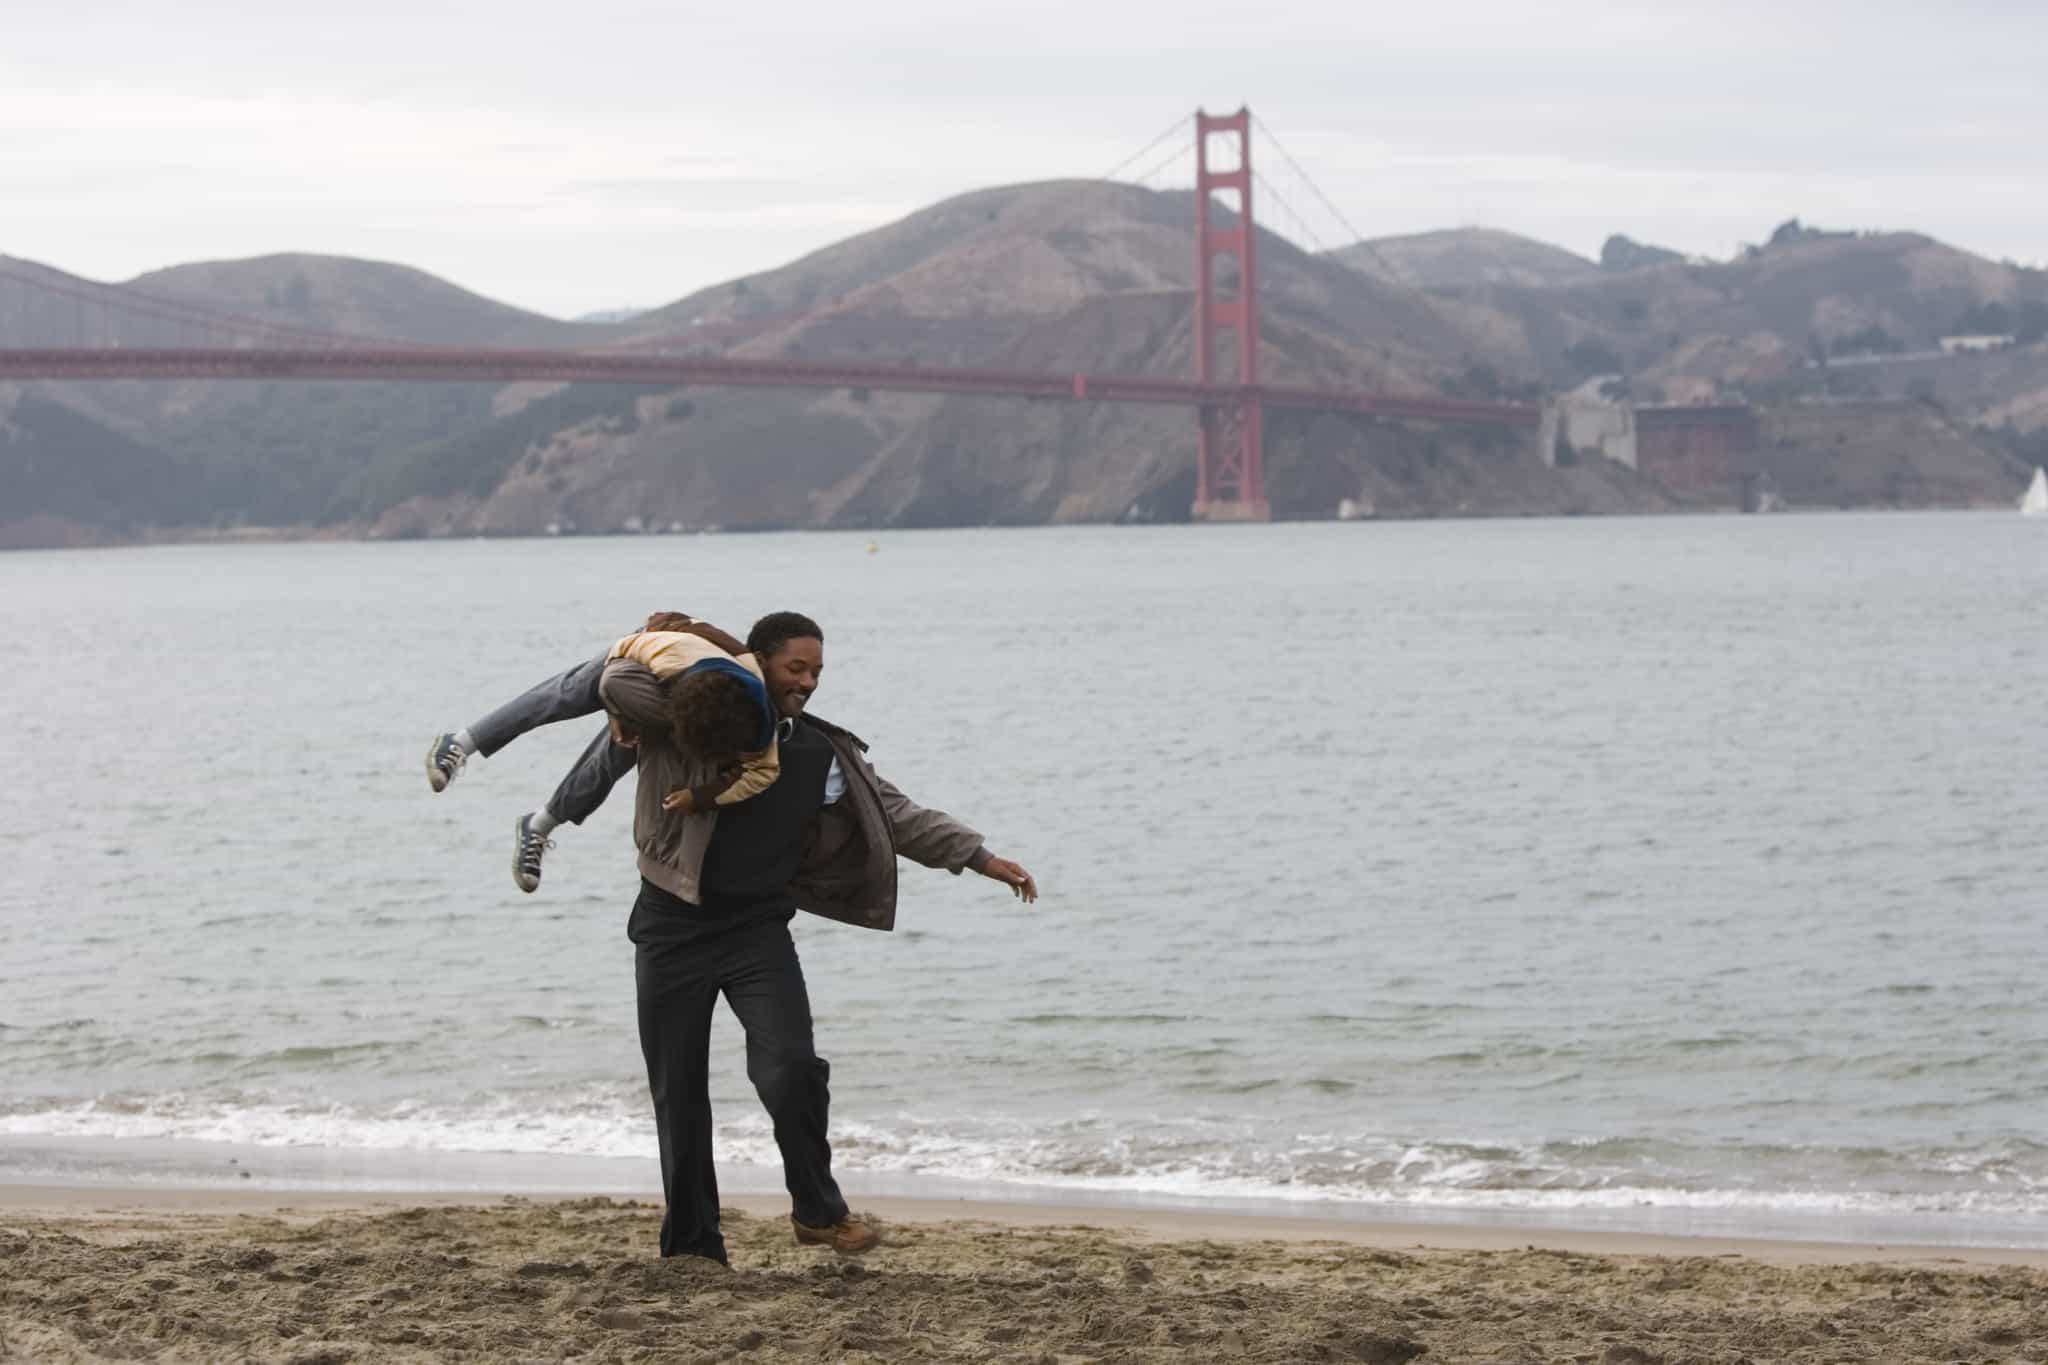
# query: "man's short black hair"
716,716
778,628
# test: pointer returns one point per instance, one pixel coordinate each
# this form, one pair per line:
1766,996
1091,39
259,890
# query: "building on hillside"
1698,450
1958,345
1704,453
1586,423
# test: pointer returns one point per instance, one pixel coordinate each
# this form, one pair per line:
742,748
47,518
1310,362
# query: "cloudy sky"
569,157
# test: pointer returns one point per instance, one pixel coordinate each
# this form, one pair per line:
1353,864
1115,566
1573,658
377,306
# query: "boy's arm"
757,772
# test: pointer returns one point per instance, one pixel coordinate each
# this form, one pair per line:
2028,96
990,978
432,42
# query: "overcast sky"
569,157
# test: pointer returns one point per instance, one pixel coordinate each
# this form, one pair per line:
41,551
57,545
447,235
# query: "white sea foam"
508,1127
1183,1163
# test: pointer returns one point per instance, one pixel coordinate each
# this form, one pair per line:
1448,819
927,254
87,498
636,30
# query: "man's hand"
621,735
679,799
1013,876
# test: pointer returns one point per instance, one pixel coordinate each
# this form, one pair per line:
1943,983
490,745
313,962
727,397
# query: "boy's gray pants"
565,696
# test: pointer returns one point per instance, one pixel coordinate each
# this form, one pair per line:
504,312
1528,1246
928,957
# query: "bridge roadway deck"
450,364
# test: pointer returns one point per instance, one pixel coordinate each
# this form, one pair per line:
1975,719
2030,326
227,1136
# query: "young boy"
718,707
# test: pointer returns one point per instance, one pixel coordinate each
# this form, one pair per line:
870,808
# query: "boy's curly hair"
714,714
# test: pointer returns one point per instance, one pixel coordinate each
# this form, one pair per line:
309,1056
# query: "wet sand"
96,1274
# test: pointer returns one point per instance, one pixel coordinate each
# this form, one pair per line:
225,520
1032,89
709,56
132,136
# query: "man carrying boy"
719,887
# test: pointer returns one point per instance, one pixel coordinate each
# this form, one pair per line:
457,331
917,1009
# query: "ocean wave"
594,1126
1068,1017
1190,1159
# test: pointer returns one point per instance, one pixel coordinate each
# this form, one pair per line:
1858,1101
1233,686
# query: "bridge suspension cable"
1178,129
1273,140
1352,236
1159,171
1271,192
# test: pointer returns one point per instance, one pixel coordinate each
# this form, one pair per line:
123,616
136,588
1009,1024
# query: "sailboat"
2035,503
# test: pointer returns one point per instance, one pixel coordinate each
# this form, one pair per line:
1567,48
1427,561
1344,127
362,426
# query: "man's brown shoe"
849,1236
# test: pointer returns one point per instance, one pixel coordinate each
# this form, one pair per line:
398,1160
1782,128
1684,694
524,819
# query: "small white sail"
2035,503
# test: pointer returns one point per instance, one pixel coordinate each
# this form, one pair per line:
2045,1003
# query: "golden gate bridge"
1226,393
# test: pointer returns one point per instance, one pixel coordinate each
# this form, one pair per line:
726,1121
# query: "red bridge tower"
1230,481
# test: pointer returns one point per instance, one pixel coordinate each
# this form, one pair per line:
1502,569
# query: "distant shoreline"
29,536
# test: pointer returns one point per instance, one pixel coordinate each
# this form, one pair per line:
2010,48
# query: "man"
718,890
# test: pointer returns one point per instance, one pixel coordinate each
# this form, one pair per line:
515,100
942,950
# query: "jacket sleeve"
928,836
630,691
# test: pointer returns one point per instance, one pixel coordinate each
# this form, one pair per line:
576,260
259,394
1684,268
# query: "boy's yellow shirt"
666,653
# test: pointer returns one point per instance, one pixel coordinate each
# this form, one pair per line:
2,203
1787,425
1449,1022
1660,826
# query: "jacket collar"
835,731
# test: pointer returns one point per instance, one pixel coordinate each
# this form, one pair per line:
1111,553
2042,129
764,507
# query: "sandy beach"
99,1274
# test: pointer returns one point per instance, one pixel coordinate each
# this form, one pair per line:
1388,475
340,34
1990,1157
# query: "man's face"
792,674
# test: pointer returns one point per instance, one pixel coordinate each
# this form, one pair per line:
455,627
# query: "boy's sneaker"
444,760
528,844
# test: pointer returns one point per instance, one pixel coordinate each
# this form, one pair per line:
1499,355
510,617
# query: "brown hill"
71,480
952,283
1851,325
1057,278
1459,257
1883,453
301,293
257,452
358,298
1755,318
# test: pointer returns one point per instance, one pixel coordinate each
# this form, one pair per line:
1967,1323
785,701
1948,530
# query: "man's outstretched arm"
936,839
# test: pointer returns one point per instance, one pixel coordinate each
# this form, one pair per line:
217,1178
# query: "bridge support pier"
1230,485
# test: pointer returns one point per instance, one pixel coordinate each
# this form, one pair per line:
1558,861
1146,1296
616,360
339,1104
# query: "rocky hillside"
234,453
1062,277
357,298
1058,278
1833,299
1896,453
1836,337
1466,256
71,480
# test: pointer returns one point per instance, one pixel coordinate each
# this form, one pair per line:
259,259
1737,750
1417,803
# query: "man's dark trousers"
681,965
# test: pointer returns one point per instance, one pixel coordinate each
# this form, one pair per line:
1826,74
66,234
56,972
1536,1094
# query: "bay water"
1665,872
